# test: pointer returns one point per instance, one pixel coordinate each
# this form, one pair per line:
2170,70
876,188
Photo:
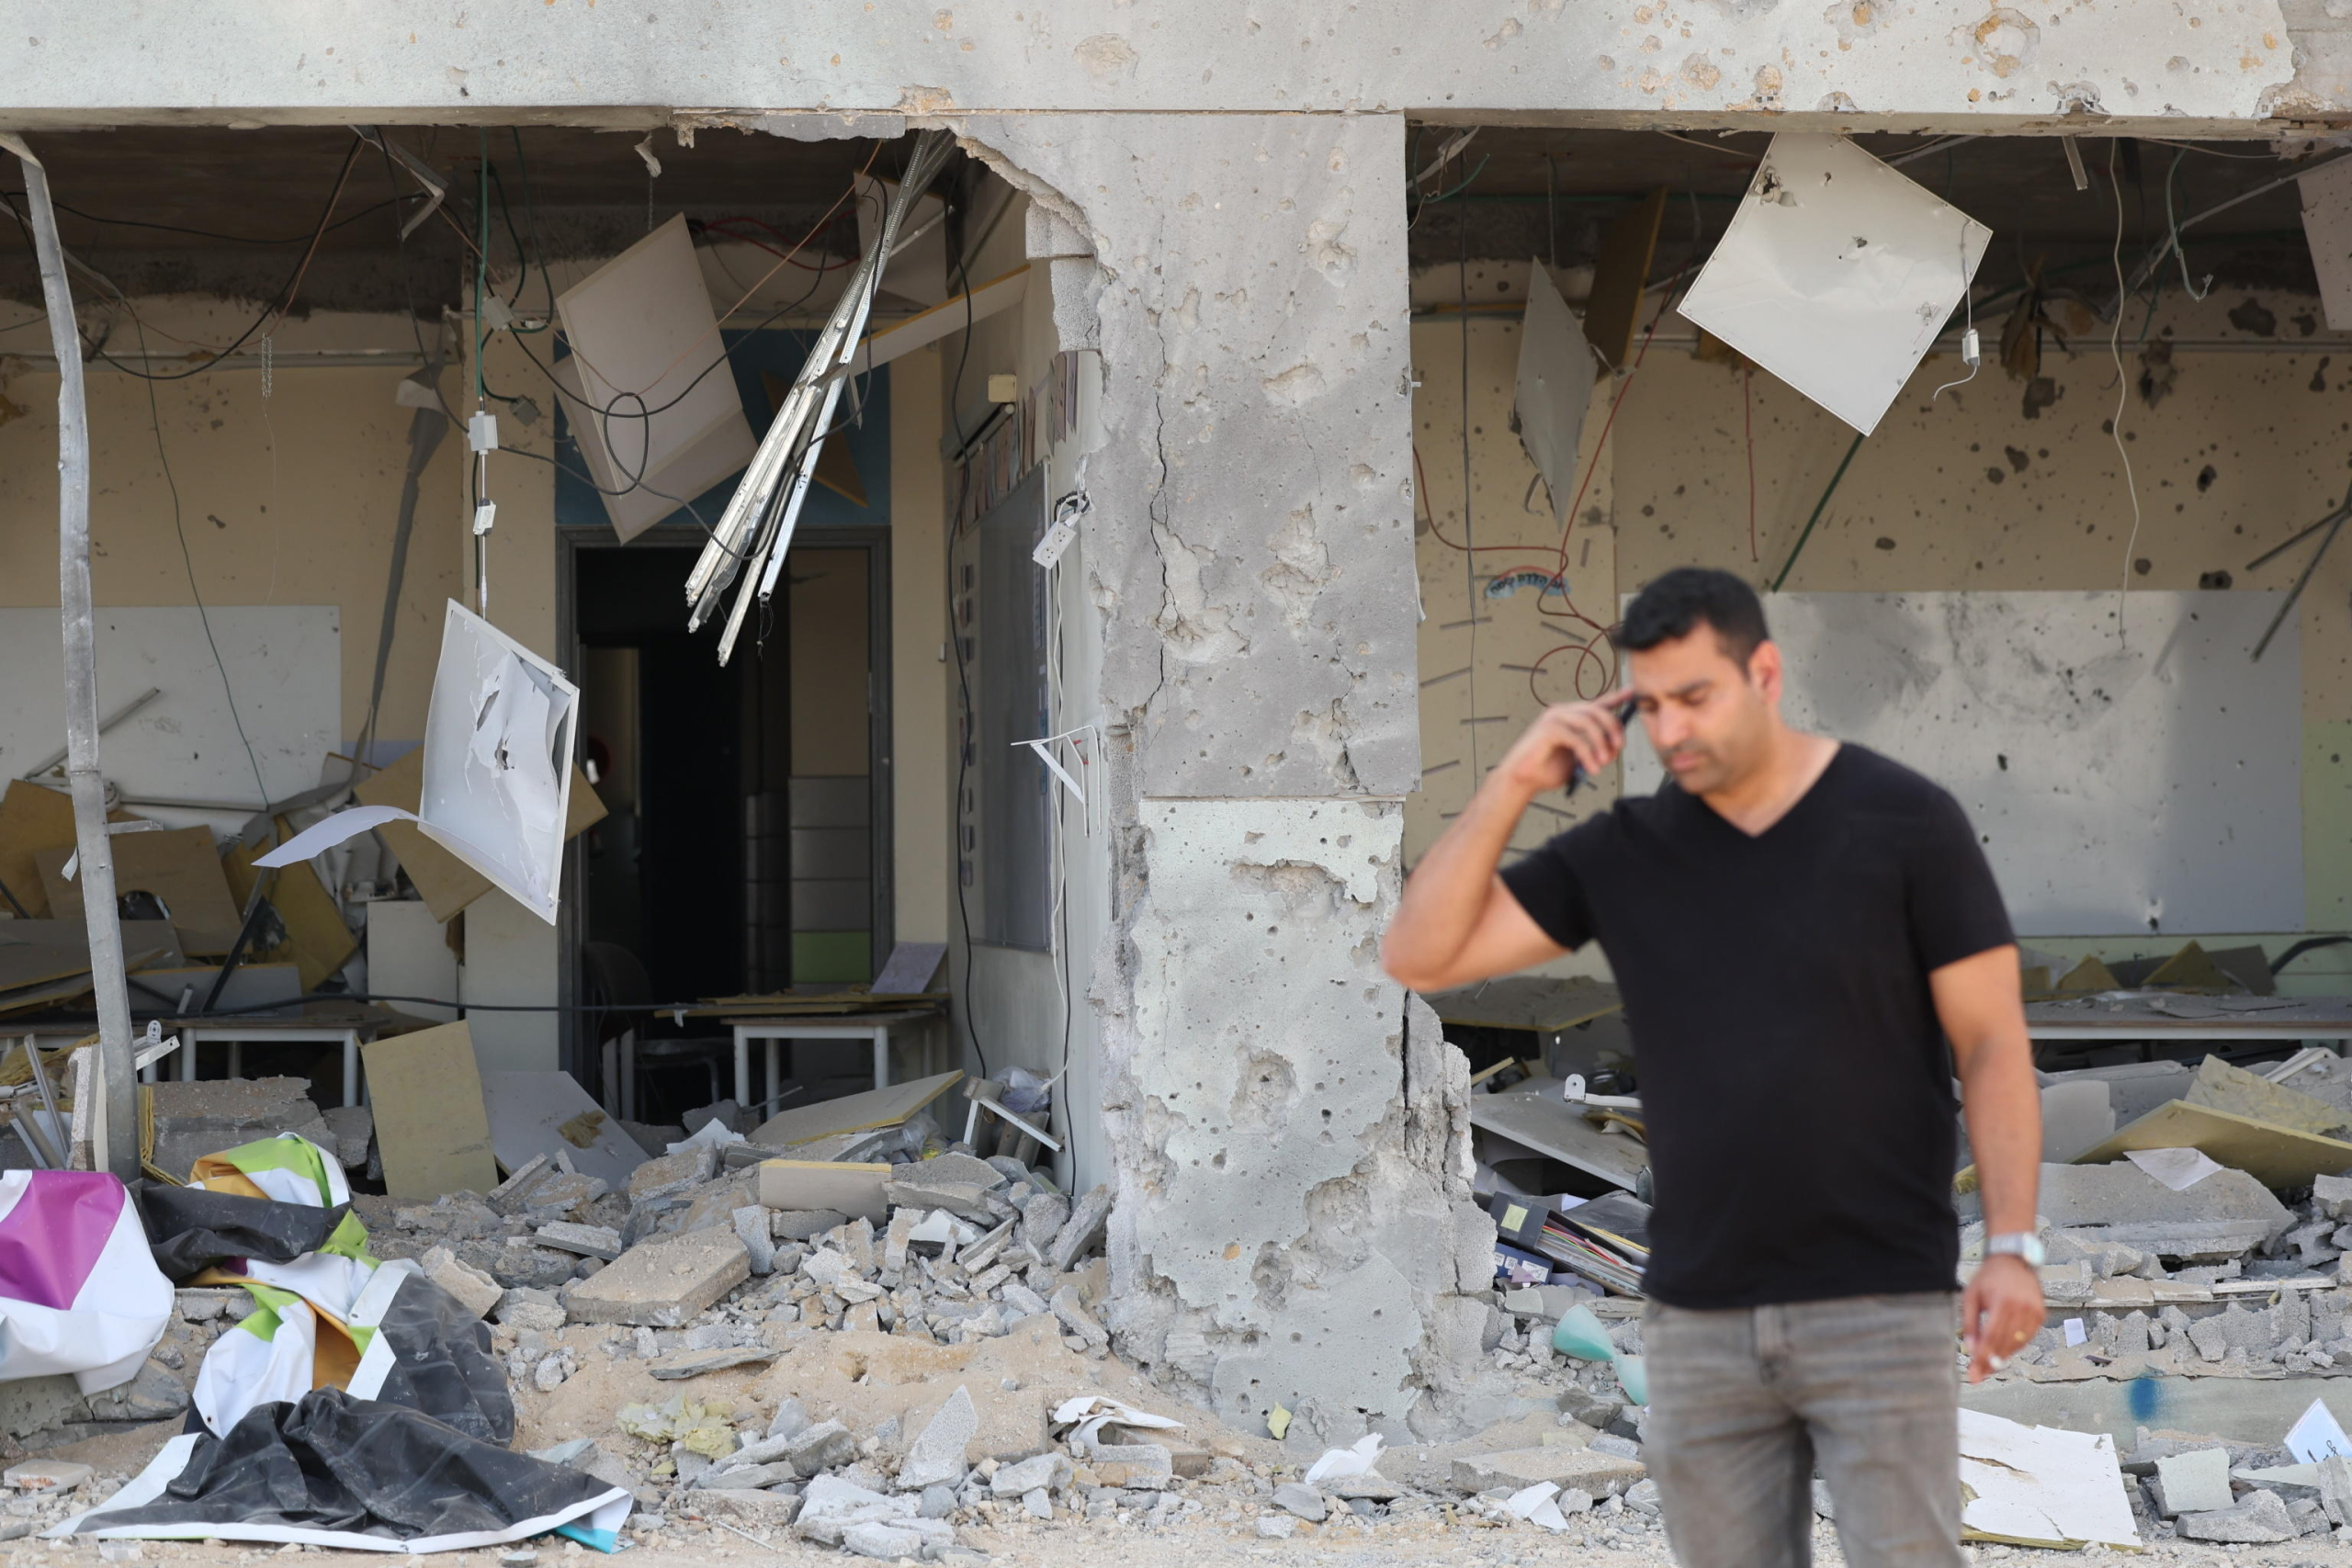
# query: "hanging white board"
2120,787
284,662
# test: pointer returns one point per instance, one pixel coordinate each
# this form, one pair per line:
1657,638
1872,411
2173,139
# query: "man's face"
1709,719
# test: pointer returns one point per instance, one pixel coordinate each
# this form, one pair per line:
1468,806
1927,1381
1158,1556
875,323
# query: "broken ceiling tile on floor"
1837,273
2042,1486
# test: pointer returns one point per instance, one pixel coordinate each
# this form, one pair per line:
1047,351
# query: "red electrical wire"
722,224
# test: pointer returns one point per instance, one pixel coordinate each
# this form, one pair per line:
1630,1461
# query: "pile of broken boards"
337,1400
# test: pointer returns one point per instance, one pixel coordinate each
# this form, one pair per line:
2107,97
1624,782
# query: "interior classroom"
2039,574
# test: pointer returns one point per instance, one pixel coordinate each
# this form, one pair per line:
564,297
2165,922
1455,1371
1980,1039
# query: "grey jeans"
1744,1403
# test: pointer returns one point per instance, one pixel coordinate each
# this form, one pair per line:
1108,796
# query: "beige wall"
287,500
1920,508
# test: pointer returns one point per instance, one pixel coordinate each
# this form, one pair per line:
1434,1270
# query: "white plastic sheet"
497,778
1837,273
1554,386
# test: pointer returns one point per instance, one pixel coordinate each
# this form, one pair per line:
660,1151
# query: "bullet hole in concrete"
1885,543
1649,511
2205,478
2250,317
216,522
1994,476
2141,566
2305,322
2213,580
2319,376
2018,457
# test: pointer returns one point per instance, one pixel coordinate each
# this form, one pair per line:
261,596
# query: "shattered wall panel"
2223,60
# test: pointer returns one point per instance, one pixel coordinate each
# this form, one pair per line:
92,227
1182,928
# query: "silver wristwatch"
2018,1243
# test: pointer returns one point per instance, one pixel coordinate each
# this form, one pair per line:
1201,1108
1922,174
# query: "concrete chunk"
937,1457
2334,1196
673,1174
507,1196
1075,1318
2263,1517
959,1198
588,1241
958,1168
820,1447
1086,1220
830,1506
1598,1473
2195,1482
1041,1471
679,1364
475,1291
751,1230
662,1283
47,1475
2226,1216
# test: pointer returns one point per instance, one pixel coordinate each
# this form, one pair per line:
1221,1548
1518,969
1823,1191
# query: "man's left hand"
2001,1310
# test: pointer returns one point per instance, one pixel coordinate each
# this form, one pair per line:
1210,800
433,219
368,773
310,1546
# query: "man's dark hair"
1671,605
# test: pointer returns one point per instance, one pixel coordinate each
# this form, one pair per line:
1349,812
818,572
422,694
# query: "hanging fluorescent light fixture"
755,532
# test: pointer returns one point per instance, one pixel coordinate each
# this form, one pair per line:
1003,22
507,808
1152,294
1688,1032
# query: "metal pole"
114,1127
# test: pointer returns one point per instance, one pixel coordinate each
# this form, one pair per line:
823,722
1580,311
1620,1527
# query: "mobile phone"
1625,712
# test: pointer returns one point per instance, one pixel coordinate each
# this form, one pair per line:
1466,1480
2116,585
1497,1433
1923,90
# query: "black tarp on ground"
190,1229
333,1469
440,1359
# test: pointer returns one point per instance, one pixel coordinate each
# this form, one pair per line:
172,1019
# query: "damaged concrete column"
1292,1224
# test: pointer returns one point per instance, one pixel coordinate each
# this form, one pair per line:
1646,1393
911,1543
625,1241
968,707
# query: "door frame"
576,1055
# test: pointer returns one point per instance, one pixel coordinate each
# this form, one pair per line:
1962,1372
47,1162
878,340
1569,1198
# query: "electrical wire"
277,312
2123,395
971,731
1710,147
227,239
2179,250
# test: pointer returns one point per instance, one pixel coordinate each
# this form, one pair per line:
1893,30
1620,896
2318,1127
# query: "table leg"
187,1067
742,1067
609,1065
236,1058
881,1055
774,1085
351,1066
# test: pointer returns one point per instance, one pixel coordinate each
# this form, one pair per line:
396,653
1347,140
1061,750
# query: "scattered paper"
1338,1464
2317,1435
1278,1422
1837,273
1538,1505
714,1132
911,968
1092,1412
2042,1486
2075,1331
2179,1169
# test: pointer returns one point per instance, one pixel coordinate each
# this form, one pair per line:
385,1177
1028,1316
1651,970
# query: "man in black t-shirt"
1798,927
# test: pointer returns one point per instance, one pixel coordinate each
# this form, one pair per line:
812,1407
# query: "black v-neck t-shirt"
1796,1085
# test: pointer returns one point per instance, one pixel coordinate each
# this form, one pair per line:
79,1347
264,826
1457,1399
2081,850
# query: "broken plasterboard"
425,1089
2226,1087
181,869
1554,386
1837,273
497,767
2276,1157
31,818
550,1114
852,1190
2041,1487
865,1113
2327,228
1534,1116
662,411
